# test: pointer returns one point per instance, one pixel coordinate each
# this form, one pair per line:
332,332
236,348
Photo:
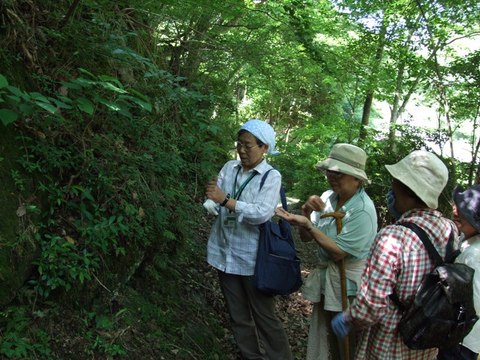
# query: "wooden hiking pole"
343,278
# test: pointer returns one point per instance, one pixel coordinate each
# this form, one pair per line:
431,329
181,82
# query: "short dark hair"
408,192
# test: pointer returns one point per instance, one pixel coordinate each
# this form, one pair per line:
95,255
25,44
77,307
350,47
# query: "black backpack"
442,312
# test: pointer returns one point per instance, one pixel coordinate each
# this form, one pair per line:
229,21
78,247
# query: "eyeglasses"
334,174
239,145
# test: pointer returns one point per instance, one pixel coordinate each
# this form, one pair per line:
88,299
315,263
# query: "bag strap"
282,190
422,235
432,252
264,177
450,253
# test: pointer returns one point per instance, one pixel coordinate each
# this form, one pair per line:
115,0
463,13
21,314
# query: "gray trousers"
257,330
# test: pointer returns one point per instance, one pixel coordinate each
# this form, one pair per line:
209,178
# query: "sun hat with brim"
468,204
423,173
346,159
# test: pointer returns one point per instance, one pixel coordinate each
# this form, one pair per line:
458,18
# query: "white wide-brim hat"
346,159
423,173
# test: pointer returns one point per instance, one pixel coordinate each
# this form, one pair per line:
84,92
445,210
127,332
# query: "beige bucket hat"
346,159
423,173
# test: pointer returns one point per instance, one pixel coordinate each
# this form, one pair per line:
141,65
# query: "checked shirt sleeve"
378,280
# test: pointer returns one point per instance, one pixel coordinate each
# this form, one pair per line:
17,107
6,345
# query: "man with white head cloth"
232,246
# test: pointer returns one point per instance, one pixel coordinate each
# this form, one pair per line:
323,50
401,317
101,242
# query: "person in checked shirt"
398,260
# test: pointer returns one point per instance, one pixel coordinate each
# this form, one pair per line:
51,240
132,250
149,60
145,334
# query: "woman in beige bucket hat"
343,222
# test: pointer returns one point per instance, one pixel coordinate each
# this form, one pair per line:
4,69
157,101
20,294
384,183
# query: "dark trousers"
257,330
458,352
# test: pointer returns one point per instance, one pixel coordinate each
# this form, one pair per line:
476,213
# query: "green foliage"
17,340
19,103
172,304
60,265
98,211
92,204
307,145
99,338
123,112
412,138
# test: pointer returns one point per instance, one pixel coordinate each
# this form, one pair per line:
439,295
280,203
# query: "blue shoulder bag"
277,269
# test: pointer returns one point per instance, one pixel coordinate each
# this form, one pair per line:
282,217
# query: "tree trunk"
474,167
395,110
367,105
398,109
440,85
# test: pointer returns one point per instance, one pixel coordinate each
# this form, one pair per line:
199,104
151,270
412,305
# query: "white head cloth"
263,132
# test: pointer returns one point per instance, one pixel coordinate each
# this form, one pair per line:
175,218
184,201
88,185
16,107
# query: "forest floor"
164,317
176,314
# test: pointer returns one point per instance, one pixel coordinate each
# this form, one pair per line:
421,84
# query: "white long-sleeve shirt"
470,256
233,249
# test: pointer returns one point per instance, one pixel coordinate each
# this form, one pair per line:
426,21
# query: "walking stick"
343,278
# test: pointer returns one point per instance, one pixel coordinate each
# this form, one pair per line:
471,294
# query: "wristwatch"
226,200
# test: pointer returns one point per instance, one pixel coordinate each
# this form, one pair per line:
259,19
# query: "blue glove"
340,326
391,205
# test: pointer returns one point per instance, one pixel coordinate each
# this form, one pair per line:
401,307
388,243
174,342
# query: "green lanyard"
236,194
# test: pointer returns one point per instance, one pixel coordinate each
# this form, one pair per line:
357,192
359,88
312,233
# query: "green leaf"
3,81
47,106
107,78
109,104
14,98
8,116
88,195
85,105
143,104
72,85
112,87
26,109
139,94
84,71
38,96
124,111
61,104
84,82
103,322
65,99
16,91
